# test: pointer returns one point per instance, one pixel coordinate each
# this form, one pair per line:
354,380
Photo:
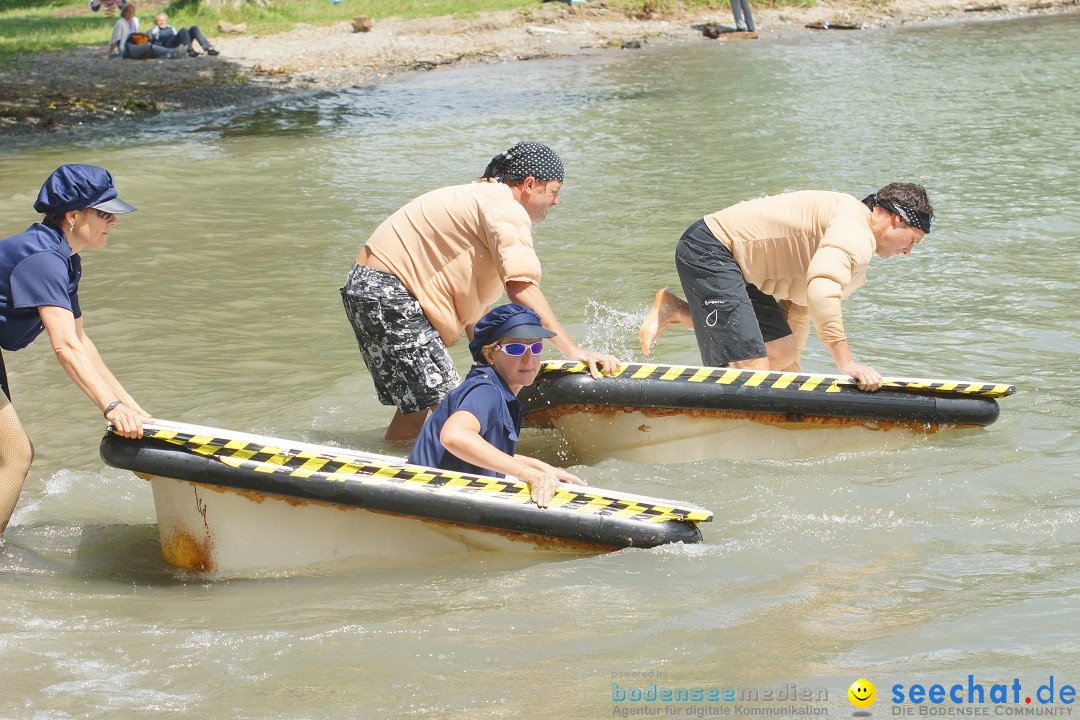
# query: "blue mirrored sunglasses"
518,349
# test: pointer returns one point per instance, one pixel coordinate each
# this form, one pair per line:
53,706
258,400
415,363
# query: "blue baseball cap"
510,320
77,187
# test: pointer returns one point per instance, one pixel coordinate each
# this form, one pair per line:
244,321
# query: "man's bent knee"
782,352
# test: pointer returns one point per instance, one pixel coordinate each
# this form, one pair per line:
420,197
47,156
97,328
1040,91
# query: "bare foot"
667,310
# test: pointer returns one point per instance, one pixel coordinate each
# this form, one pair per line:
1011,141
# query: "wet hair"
908,195
907,200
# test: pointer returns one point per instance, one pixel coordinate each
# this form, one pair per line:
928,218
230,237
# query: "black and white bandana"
914,218
526,159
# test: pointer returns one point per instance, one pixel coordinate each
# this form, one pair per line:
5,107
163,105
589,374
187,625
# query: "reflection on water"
217,304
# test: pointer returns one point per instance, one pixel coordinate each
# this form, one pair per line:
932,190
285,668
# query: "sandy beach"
62,90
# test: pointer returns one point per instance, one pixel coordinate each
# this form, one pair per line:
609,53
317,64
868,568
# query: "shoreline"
62,91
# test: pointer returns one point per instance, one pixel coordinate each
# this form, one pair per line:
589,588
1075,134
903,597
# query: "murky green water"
217,304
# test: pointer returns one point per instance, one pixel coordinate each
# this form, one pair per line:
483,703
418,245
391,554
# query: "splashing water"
613,331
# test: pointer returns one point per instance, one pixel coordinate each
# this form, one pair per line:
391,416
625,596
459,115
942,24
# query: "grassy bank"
28,26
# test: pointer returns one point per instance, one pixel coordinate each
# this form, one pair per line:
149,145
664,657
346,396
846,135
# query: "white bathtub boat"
675,413
236,504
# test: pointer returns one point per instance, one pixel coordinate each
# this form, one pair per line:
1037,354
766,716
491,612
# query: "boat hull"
668,414
210,528
652,435
235,504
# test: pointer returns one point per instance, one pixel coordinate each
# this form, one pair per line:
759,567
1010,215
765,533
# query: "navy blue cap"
77,187
510,320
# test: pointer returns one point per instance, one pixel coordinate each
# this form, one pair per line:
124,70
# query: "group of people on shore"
160,41
755,276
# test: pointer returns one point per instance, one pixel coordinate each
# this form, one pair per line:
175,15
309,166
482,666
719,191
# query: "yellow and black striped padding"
777,380
238,452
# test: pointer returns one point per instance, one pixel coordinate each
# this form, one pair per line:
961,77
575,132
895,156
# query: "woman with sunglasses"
40,271
475,428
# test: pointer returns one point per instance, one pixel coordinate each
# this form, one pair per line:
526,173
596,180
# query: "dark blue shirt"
36,268
484,395
160,35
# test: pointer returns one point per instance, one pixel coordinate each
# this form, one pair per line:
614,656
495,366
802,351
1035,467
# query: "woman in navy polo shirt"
39,290
475,429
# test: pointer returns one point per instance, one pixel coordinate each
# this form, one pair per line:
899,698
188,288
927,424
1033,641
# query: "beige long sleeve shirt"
809,248
455,249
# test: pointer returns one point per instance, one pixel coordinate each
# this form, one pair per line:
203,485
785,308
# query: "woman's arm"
81,365
461,436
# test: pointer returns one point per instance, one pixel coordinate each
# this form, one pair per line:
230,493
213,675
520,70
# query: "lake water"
217,304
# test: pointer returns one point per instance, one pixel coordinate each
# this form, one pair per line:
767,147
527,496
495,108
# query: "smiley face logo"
862,693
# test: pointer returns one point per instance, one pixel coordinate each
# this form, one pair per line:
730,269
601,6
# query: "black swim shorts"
732,318
408,361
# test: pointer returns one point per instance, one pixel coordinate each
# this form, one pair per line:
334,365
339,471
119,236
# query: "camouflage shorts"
408,361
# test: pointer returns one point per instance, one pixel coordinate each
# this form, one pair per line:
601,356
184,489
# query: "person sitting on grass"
167,36
128,42
475,428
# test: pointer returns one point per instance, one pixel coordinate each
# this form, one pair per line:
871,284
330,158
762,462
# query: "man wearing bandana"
431,269
758,273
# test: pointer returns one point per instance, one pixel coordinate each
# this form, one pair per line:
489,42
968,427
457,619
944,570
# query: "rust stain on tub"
256,496
183,549
545,418
186,551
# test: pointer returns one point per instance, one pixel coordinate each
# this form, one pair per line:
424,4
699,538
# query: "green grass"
34,25
28,26
285,14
